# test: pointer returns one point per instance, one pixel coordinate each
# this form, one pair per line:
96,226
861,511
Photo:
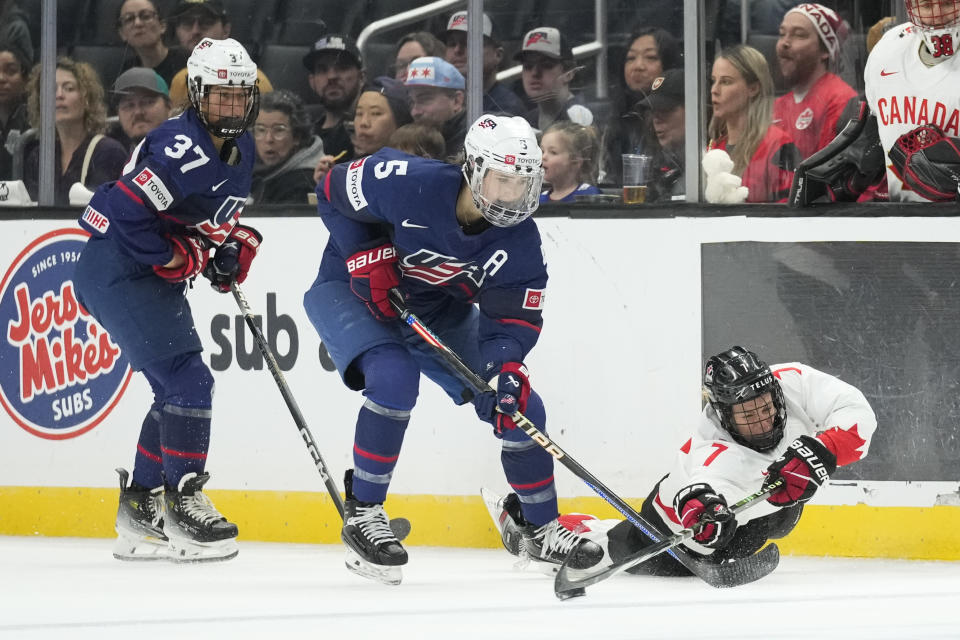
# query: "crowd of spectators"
418,102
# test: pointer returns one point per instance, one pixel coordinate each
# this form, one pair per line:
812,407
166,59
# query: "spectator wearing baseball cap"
335,73
194,20
497,98
548,69
667,113
382,107
142,100
651,51
141,27
437,99
811,36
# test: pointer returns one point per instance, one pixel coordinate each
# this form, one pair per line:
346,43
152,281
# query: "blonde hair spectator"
91,92
753,67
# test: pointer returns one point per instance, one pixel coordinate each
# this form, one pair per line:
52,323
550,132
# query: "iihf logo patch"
60,373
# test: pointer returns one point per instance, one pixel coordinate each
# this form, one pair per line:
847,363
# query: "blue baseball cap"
434,72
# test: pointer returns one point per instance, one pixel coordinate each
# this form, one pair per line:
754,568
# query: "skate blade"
494,504
182,550
134,548
540,566
380,573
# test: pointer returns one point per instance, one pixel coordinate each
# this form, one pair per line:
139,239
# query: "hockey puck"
572,593
400,528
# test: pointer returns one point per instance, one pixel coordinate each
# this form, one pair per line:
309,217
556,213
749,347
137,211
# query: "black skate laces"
373,523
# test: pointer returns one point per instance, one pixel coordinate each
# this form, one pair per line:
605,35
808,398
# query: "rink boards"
631,306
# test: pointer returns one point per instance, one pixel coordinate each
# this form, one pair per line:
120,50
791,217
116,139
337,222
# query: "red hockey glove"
231,261
195,253
373,272
513,391
928,162
699,504
805,465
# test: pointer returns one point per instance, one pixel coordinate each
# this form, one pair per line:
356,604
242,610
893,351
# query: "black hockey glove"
928,162
231,261
805,465
699,505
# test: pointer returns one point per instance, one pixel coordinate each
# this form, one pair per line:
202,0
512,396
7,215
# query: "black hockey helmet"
736,376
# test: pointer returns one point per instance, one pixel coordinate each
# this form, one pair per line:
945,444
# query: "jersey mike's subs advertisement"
60,373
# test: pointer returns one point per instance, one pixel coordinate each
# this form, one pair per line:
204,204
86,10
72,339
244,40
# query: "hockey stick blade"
399,526
730,573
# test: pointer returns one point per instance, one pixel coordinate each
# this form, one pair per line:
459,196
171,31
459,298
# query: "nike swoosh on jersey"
412,225
218,185
888,73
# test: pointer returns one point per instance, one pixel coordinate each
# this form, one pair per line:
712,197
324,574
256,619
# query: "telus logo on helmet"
60,373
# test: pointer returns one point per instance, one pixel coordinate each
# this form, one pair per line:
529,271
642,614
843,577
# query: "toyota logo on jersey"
60,373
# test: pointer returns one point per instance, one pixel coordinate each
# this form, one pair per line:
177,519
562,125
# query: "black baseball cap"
216,8
334,42
666,92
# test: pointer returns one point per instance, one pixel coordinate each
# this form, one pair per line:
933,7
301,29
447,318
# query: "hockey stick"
566,585
399,526
715,575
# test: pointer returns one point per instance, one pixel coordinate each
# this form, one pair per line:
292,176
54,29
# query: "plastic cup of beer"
636,175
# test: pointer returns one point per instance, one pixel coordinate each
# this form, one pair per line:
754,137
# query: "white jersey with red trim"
816,402
905,93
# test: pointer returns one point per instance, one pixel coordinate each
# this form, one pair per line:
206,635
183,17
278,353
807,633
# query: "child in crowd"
569,161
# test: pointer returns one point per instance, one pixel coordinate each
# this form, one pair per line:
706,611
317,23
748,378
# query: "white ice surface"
73,588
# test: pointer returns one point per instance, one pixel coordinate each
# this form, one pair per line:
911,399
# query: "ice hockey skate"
546,546
505,512
139,523
373,551
197,532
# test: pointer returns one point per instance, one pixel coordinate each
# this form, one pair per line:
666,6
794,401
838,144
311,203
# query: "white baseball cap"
546,41
458,22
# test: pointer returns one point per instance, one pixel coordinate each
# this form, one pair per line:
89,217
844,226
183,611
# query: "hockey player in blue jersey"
460,245
152,232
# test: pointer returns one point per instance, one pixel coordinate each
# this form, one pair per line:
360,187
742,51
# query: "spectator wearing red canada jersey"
810,38
763,154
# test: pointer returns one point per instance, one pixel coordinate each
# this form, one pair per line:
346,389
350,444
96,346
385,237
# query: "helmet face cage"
737,382
503,169
223,63
206,101
938,22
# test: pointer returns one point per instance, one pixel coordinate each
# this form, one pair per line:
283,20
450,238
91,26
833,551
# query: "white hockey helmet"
222,63
504,169
938,22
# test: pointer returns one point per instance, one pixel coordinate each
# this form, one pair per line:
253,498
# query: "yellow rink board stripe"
922,533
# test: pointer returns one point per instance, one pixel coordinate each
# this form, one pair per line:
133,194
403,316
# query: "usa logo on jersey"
60,373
